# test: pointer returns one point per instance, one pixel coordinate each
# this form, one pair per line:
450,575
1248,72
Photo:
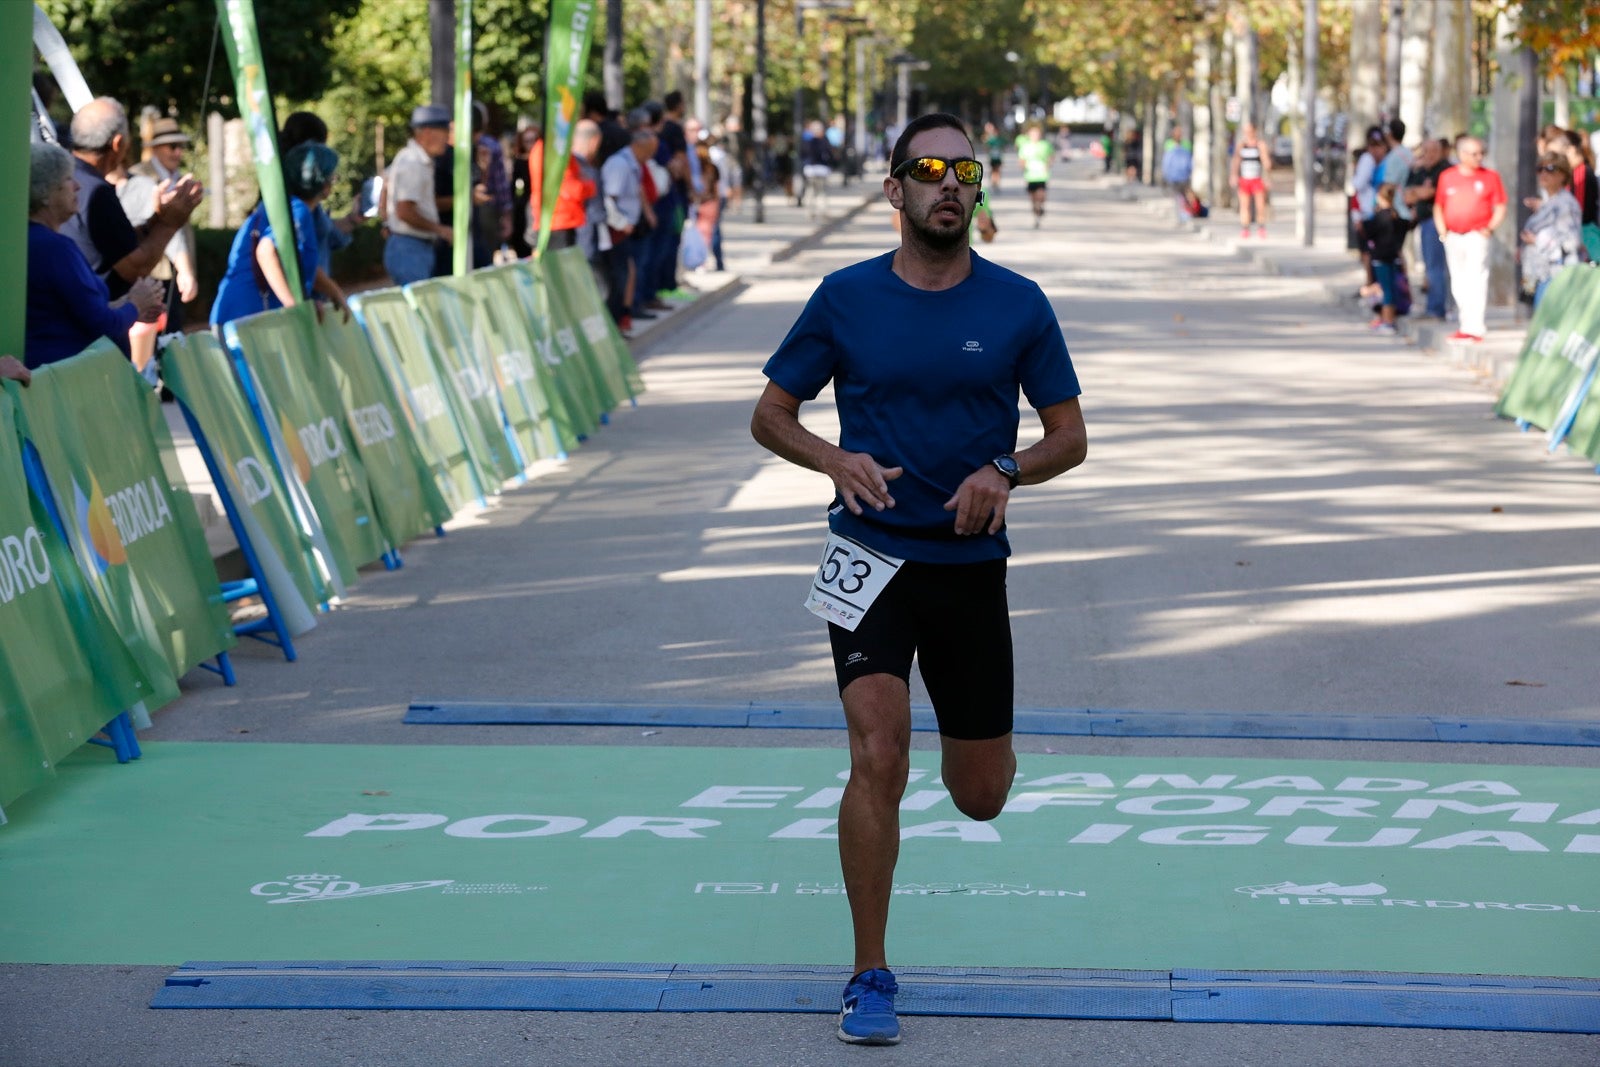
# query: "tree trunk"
1414,49
1561,92
1393,31
1203,177
1450,95
442,43
1366,71
615,91
1515,82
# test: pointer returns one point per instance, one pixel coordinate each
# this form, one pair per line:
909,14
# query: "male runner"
995,145
926,375
1036,153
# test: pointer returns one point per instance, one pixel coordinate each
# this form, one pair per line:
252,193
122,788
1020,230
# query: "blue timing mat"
1081,722
1349,998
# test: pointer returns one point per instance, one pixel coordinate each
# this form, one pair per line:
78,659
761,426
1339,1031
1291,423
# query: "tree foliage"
1560,31
156,52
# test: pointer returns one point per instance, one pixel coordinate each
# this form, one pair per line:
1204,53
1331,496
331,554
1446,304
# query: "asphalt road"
1279,512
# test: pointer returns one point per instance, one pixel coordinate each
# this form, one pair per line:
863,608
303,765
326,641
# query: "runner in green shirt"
1036,154
996,147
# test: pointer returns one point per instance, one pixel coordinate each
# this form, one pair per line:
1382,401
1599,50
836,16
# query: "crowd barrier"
1554,386
331,444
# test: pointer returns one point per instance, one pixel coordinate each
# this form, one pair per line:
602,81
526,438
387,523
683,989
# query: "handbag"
693,247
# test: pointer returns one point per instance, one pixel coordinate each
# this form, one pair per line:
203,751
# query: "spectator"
303,127
413,214
622,179
1553,236
163,163
708,212
521,179
255,280
570,213
69,306
497,210
593,237
1177,168
672,206
116,250
731,162
1386,236
1418,195
613,134
1368,176
1585,187
1132,154
1469,203
816,167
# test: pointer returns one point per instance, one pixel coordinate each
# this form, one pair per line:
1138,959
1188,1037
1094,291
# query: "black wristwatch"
1007,465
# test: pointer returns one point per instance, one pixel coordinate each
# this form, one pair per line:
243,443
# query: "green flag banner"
404,493
513,292
524,381
255,106
112,468
64,672
465,145
570,273
1559,351
566,58
198,371
16,67
467,385
298,399
397,337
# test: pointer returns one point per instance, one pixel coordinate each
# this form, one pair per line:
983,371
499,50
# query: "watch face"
1008,467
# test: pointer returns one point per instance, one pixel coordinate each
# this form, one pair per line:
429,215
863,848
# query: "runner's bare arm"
980,501
856,475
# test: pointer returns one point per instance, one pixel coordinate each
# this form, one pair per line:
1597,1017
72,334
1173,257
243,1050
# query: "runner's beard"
939,238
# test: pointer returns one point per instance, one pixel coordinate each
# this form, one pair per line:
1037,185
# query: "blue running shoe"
867,1017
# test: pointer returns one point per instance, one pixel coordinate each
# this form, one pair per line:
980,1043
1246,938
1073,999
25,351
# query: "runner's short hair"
932,121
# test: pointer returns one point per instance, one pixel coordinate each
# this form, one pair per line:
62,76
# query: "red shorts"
1251,186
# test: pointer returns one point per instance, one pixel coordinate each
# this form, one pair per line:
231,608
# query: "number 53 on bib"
848,580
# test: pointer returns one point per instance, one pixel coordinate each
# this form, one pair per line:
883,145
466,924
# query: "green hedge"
357,265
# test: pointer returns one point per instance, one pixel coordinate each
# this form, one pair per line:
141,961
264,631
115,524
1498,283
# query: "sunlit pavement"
1279,512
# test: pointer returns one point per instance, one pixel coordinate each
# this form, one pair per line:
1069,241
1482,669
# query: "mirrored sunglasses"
932,169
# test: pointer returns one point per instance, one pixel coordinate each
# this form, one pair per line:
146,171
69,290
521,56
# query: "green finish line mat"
722,856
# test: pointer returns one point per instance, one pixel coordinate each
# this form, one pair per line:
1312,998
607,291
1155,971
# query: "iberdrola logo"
297,450
567,108
96,525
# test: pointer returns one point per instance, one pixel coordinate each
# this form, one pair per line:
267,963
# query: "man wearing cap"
413,216
163,163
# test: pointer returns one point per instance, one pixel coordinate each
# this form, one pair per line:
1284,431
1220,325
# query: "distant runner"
995,145
1036,154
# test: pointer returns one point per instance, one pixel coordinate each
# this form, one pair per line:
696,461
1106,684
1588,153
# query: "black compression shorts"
954,621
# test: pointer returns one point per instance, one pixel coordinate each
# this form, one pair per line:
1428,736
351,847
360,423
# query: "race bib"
848,580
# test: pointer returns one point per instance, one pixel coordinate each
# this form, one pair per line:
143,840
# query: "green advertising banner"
408,501
469,389
566,58
572,363
16,69
524,381
512,293
465,145
112,468
1560,350
64,672
618,854
299,401
574,280
448,306
198,371
238,17
397,336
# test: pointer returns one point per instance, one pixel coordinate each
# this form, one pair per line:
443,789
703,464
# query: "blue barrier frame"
253,586
119,731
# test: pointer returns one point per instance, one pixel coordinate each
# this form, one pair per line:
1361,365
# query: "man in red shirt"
1469,203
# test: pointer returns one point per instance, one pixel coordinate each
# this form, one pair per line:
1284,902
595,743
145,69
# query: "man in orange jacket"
571,208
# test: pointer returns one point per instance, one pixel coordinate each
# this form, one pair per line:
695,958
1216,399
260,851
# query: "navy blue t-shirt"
928,381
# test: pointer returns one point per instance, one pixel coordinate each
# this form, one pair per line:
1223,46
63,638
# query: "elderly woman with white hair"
255,280
69,306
